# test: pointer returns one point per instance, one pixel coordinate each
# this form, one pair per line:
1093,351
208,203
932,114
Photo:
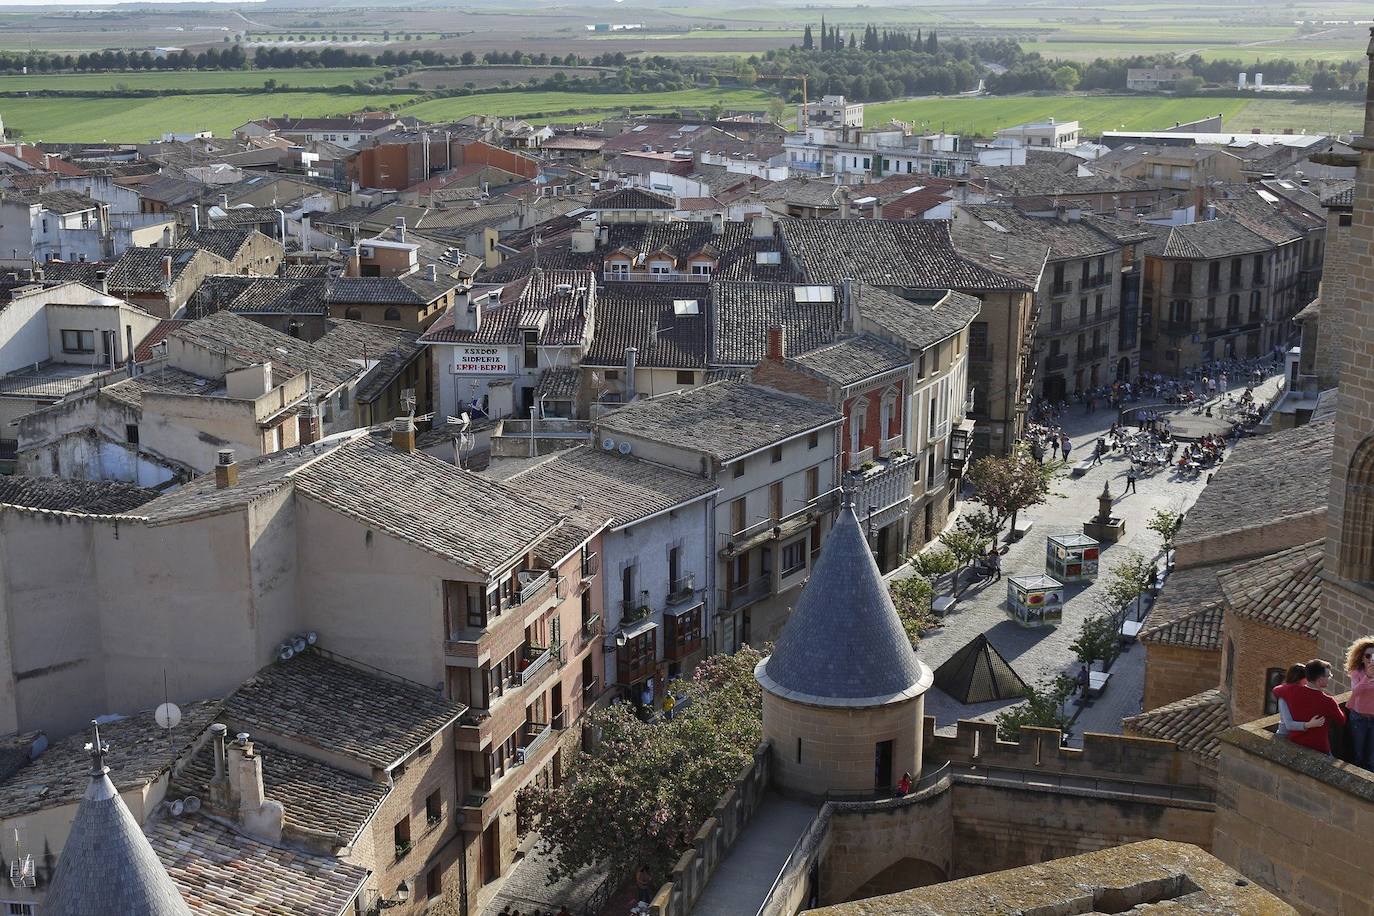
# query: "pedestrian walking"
1082,680
1130,481
1097,452
995,564
1065,445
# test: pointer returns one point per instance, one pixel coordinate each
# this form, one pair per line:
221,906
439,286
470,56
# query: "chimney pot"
217,735
777,343
226,475
167,269
433,273
403,434
308,423
631,360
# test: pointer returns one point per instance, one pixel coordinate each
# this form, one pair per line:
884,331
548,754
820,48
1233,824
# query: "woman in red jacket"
1359,661
1308,702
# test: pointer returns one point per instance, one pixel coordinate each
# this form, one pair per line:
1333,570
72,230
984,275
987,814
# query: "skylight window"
686,307
814,293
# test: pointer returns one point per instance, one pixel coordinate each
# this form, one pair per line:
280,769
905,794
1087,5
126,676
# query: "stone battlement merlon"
1116,757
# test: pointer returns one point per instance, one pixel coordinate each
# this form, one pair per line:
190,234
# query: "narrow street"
1038,653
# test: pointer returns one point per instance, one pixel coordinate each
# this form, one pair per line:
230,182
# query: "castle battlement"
1115,757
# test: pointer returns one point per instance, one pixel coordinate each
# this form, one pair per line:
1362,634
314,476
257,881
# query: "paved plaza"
1040,652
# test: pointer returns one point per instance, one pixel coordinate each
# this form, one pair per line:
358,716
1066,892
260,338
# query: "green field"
983,116
186,79
532,104
75,120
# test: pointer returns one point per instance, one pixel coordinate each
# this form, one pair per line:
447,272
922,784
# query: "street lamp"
402,896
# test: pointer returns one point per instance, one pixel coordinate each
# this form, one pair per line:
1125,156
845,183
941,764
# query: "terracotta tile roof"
853,359
908,253
223,873
742,313
1281,590
1194,723
94,497
735,248
144,351
317,797
1341,198
555,302
227,243
1213,238
258,295
559,383
607,486
456,515
1199,629
1036,179
1264,480
723,419
1076,238
409,290
141,751
918,318
1187,611
642,315
324,703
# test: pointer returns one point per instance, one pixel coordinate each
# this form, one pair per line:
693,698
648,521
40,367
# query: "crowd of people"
1307,712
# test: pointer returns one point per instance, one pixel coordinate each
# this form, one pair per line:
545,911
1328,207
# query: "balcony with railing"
773,529
654,276
1056,362
884,488
682,589
532,589
1178,327
740,596
536,661
1098,352
591,565
592,628
533,736
1062,288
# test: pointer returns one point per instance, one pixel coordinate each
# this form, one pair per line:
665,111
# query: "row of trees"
873,40
1032,72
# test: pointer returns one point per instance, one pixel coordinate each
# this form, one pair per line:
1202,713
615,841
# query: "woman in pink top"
1359,661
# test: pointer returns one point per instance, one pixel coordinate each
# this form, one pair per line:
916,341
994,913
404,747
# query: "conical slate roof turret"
107,864
844,644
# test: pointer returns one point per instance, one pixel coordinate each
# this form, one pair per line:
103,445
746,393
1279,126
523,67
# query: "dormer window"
702,268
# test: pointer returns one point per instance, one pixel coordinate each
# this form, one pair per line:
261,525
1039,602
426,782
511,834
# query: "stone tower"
1348,593
843,692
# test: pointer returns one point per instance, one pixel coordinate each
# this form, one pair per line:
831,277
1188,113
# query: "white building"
1048,133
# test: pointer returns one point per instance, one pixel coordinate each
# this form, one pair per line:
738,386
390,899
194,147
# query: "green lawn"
983,116
531,104
187,79
74,120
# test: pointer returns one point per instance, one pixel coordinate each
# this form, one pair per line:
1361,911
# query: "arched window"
888,413
1357,515
353,314
857,419
392,314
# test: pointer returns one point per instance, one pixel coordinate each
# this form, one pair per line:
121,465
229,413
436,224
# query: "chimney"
195,217
167,270
777,343
877,208
403,434
224,202
305,234
400,228
309,424
102,278
717,223
354,265
844,203
851,302
217,733
226,471
432,272
631,355
260,817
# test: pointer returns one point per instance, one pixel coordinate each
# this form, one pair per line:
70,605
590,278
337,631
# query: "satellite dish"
285,653
178,808
168,715
191,803
625,448
298,644
608,443
312,637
